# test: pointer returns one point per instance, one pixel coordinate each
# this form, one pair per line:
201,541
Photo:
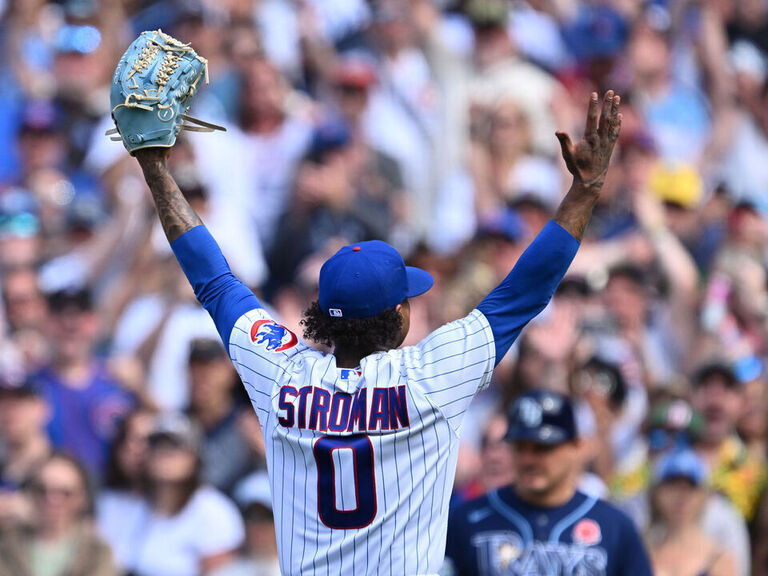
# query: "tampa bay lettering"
314,408
503,554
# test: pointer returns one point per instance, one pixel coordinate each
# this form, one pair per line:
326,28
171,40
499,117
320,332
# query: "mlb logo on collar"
335,312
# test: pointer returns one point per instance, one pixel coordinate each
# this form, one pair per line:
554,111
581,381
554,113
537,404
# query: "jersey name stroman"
341,411
362,461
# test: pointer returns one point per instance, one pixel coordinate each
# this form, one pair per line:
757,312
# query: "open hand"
588,159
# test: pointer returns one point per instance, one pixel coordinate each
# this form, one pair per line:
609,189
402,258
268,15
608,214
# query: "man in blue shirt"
542,524
86,402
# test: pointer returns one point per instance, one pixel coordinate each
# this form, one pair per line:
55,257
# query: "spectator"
674,426
23,415
25,304
59,539
719,396
82,69
121,496
644,327
26,312
503,165
753,422
216,403
674,110
24,444
521,526
259,554
275,138
493,468
181,526
21,241
677,502
342,191
85,401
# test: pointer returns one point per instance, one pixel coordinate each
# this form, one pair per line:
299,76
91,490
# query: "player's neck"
349,358
557,496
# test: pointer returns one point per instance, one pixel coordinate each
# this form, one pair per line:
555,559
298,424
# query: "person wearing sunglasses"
59,540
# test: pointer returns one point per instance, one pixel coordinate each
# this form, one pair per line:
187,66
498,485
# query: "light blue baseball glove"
152,88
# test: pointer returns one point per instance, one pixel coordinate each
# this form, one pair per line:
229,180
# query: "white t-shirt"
167,377
152,545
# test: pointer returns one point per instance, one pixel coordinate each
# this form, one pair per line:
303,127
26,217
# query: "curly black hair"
380,332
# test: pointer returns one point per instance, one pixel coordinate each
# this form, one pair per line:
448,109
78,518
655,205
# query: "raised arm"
218,290
532,282
176,215
588,162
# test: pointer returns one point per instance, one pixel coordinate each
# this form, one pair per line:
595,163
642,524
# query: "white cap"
254,489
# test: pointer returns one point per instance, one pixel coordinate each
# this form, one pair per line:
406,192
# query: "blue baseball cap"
364,279
78,39
543,417
682,464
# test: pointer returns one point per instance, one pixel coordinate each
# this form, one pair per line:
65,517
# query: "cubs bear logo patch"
272,336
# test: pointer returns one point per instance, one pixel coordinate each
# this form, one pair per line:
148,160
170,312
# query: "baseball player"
361,443
542,524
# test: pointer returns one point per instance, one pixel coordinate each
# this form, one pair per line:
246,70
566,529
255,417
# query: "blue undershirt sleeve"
529,286
224,296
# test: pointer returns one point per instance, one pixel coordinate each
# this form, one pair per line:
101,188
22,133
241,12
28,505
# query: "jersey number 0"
365,482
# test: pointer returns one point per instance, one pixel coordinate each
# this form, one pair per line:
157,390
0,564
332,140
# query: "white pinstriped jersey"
362,462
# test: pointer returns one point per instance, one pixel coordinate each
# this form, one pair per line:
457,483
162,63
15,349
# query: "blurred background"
124,431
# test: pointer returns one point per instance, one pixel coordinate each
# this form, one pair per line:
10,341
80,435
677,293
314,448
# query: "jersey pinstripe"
362,462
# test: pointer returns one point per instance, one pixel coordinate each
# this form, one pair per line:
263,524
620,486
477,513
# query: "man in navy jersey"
542,524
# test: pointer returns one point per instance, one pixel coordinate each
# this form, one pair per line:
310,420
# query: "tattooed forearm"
176,215
576,208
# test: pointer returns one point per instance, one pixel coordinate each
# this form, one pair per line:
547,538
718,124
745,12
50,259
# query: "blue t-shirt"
84,420
499,534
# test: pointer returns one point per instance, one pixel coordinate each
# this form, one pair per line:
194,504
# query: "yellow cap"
679,184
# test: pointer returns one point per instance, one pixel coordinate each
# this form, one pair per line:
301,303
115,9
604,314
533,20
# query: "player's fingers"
616,128
605,114
592,114
566,147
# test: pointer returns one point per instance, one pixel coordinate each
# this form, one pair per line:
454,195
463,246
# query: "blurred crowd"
127,444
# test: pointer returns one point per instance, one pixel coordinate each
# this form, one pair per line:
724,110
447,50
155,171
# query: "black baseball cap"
77,298
542,417
205,350
716,367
